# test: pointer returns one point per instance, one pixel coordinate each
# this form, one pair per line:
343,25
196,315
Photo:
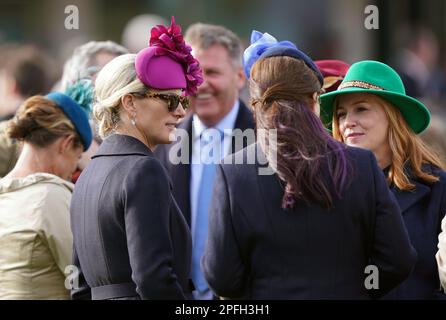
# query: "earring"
133,120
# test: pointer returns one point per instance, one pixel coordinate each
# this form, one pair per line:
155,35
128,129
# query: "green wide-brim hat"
380,79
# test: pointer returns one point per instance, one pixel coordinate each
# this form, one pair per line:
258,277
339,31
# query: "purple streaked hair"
311,164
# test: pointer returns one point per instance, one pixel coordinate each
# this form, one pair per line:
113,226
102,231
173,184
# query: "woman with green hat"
371,110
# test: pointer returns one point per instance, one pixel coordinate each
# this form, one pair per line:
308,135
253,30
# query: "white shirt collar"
228,121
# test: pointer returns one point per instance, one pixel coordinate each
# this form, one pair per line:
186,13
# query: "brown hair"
40,122
406,147
312,165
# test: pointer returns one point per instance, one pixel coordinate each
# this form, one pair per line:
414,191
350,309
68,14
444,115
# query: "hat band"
359,84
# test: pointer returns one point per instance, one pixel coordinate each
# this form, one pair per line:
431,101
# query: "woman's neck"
383,157
32,160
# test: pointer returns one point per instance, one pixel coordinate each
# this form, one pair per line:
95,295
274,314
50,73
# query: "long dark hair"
282,90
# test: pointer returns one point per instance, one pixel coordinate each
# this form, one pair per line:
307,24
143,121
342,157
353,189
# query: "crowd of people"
89,177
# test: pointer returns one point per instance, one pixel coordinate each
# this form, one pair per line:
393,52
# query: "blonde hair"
406,147
116,79
40,122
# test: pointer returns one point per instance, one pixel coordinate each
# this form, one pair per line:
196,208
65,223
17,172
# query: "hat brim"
414,112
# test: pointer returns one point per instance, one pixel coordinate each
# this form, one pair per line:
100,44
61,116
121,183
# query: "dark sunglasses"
173,100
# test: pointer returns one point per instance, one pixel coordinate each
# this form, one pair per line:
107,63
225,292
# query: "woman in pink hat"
130,238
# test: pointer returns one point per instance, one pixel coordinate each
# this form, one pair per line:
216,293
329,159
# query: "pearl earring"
133,120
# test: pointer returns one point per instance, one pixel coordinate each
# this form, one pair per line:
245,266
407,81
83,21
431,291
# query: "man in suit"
215,106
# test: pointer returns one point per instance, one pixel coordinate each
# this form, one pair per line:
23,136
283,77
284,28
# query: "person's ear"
240,78
15,88
316,103
128,104
66,143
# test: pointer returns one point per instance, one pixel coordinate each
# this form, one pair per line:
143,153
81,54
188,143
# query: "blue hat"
265,45
75,113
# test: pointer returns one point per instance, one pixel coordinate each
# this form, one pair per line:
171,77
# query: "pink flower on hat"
170,42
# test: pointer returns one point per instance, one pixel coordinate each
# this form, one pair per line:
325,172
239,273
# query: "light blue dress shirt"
226,125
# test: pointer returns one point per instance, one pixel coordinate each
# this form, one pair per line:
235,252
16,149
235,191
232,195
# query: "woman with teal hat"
307,228
371,110
35,236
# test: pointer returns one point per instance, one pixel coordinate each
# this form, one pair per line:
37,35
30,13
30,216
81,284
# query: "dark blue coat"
258,250
130,238
422,210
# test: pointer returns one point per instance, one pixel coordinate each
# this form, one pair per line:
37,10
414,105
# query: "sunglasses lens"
184,102
172,102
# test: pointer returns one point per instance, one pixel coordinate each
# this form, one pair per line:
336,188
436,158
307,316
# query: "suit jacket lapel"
243,121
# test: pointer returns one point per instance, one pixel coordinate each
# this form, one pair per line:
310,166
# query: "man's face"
220,89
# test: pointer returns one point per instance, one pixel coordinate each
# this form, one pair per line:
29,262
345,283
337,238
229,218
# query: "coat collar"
245,118
407,199
122,145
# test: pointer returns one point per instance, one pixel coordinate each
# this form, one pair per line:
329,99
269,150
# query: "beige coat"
35,237
9,151
441,254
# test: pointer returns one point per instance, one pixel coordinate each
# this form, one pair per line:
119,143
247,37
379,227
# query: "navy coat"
422,210
256,249
181,173
130,238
